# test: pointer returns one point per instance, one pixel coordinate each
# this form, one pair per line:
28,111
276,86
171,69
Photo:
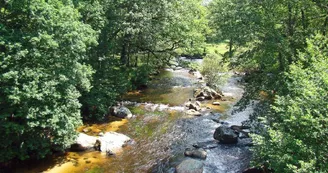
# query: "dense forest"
283,45
66,61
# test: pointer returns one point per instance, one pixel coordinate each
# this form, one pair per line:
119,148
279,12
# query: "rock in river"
109,142
207,92
195,106
84,142
113,142
120,111
198,153
190,166
225,135
193,112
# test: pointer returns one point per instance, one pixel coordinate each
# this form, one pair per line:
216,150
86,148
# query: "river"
161,132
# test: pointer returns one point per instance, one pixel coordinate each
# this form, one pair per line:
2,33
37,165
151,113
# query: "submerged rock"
190,166
225,135
198,153
206,144
120,111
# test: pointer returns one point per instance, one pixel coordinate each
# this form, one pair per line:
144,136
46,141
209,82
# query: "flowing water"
161,132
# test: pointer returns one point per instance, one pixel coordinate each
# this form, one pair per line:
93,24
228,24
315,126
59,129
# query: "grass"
216,48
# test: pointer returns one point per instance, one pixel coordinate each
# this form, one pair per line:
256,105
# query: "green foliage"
110,81
42,46
270,38
296,140
267,33
63,55
140,76
215,70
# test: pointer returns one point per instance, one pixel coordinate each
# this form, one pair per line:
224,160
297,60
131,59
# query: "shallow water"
161,132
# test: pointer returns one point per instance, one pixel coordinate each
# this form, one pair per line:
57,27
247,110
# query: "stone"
207,92
120,112
225,135
101,134
84,142
216,120
216,103
112,141
194,107
243,134
236,128
201,98
86,130
190,166
193,112
97,145
206,144
198,153
109,153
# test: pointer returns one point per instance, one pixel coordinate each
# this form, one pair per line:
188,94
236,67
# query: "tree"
42,46
143,35
296,139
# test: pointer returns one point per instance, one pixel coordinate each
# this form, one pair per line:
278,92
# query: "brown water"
161,132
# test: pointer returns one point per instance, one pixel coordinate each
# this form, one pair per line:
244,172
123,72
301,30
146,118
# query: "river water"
161,132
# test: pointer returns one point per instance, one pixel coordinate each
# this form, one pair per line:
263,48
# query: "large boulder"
198,153
225,135
190,166
84,142
110,142
120,111
113,142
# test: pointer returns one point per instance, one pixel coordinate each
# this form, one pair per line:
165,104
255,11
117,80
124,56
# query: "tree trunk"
281,62
230,48
324,29
124,54
136,62
148,58
290,34
304,22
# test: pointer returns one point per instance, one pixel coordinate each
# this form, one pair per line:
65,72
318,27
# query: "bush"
214,70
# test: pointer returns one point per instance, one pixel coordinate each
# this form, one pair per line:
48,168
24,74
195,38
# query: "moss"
137,110
96,170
